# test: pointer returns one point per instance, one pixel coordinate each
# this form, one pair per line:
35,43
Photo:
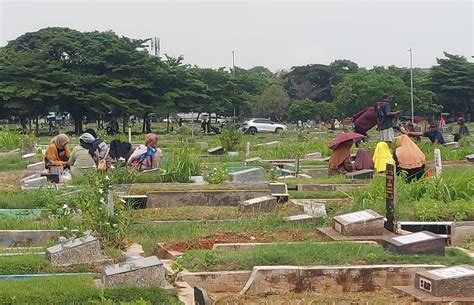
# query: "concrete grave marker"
216,151
260,204
452,144
278,189
470,158
438,162
360,223
300,218
76,251
36,166
315,209
246,176
28,156
460,231
253,160
147,271
457,281
313,156
34,183
361,174
416,243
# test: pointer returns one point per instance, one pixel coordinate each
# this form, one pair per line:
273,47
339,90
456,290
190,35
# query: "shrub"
230,138
216,175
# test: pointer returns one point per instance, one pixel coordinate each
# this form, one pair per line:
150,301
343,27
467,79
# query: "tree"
273,102
310,81
452,80
302,110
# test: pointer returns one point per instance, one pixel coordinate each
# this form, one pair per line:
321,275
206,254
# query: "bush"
10,140
230,138
216,175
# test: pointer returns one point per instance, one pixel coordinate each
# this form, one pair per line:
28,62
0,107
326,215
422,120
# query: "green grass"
319,194
27,200
143,188
35,264
18,223
12,163
77,290
307,253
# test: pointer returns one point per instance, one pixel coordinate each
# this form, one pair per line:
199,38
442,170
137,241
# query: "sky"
274,34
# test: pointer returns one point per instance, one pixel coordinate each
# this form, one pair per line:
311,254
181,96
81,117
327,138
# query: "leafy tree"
273,103
310,81
302,110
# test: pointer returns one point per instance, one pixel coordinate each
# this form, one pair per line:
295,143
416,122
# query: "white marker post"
247,150
438,163
129,135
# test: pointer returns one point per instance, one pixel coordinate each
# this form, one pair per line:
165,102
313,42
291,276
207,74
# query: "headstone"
253,160
438,163
362,223
247,176
298,218
35,166
452,144
233,153
457,281
470,158
75,251
361,174
260,204
35,183
278,189
201,297
390,197
147,271
315,209
313,156
28,156
216,151
424,242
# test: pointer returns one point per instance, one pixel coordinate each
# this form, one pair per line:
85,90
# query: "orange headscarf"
151,140
408,154
340,154
60,140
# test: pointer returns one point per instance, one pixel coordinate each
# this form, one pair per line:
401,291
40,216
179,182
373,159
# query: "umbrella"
343,137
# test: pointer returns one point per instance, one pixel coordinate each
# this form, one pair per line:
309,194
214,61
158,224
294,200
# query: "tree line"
100,75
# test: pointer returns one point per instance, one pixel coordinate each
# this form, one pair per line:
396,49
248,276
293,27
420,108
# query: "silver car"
253,126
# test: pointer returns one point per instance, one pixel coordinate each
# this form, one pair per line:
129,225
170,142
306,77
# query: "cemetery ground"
207,237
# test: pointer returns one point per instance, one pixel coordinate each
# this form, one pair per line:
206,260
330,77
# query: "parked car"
262,125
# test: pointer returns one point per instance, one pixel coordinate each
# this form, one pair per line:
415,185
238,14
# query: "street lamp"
411,85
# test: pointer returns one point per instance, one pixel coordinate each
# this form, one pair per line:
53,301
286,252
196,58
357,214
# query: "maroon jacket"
365,119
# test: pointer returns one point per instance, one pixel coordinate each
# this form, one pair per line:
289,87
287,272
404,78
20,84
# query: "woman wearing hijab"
363,160
83,157
145,156
57,152
99,146
408,157
382,157
340,161
117,151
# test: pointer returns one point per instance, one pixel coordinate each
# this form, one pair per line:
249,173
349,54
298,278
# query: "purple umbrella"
344,137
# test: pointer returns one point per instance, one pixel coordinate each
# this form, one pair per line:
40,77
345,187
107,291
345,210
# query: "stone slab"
334,235
361,174
470,158
315,209
28,156
313,156
259,204
461,231
216,282
330,187
255,160
452,144
314,172
36,166
419,243
456,281
278,188
216,151
247,176
147,271
76,251
366,222
298,218
161,199
35,183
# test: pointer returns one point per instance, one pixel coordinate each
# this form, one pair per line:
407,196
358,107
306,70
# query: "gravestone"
34,183
75,251
28,156
452,144
315,209
247,176
424,242
36,166
438,162
361,174
259,204
146,271
362,223
216,151
201,297
298,218
287,172
253,160
278,189
457,281
313,156
470,158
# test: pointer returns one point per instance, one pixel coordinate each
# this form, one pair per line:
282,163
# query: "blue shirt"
434,136
383,121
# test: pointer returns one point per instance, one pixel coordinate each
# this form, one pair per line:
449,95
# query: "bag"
102,166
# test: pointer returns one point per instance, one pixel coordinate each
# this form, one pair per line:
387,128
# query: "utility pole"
233,71
411,85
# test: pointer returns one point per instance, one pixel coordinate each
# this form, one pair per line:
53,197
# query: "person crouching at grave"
57,153
461,130
83,156
340,160
382,156
118,152
146,156
363,160
409,158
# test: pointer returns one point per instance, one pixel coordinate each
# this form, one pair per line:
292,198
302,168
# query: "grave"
255,160
452,144
75,251
247,176
361,174
313,156
147,271
424,242
260,204
278,189
216,151
315,209
470,158
28,156
298,218
38,166
34,183
366,222
287,172
457,281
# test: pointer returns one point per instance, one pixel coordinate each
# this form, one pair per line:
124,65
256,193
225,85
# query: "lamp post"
233,72
411,85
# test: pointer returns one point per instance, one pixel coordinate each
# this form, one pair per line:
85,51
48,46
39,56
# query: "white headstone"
438,163
451,272
413,238
28,156
247,150
357,216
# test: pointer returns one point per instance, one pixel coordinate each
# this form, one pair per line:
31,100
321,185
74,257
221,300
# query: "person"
57,153
409,158
382,156
435,136
340,160
365,119
99,146
50,128
83,156
441,123
385,119
118,150
363,160
462,130
145,156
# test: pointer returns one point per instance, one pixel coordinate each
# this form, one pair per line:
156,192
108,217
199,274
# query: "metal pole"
233,72
411,86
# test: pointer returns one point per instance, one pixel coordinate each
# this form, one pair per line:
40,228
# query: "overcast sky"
274,34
